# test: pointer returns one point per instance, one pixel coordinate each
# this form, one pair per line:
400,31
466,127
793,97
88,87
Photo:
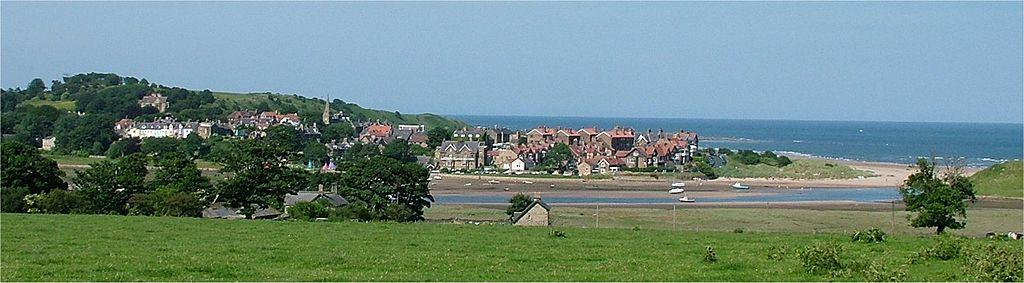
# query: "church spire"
327,112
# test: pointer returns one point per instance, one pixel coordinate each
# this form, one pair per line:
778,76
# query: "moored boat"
739,186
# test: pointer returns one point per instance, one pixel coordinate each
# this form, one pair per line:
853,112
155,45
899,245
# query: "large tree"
25,172
939,201
518,203
558,158
108,185
337,132
91,133
399,150
437,135
392,190
178,186
260,176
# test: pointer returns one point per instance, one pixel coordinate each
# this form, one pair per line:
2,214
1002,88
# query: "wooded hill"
30,114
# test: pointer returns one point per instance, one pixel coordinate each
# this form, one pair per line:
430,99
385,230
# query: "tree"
260,176
36,87
337,132
360,151
124,147
193,146
315,151
518,203
522,140
108,185
437,135
558,158
937,202
160,146
398,150
287,138
178,186
391,189
90,132
24,167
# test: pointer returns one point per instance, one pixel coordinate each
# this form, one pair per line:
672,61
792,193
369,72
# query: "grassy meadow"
800,169
1002,180
120,248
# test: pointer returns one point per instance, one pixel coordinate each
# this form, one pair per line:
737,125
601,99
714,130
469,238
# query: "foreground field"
117,248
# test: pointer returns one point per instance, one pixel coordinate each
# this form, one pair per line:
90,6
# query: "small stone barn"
535,214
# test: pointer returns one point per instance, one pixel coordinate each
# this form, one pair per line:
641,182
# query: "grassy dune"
1003,180
118,248
800,169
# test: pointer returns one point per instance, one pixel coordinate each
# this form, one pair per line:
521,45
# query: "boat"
678,185
686,199
437,178
469,184
527,182
739,186
676,191
493,181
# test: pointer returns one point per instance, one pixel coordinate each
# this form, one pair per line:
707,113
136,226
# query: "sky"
860,61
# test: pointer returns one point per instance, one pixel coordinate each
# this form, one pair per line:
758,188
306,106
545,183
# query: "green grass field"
800,169
980,221
1004,180
61,104
119,248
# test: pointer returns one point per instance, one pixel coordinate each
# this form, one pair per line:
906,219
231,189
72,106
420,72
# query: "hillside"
314,108
135,248
1004,180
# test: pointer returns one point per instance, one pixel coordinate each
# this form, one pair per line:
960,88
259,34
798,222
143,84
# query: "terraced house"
461,155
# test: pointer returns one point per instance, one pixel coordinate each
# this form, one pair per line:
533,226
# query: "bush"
399,212
709,254
877,271
142,204
556,234
13,199
776,253
872,235
356,210
996,263
822,258
308,211
181,204
737,230
946,247
56,201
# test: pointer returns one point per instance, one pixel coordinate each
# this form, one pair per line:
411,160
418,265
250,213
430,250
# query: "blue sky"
885,61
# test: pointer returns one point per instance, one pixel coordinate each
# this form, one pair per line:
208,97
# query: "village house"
500,135
599,165
161,128
376,133
456,155
537,213
520,165
502,158
261,121
331,197
49,143
540,135
154,100
468,134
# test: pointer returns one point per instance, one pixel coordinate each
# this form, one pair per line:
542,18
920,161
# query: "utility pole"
597,216
893,216
673,216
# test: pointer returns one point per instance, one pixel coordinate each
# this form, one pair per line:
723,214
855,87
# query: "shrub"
996,263
877,271
142,204
737,230
56,201
308,211
181,204
872,235
356,210
822,258
709,254
776,253
13,199
946,247
556,234
399,212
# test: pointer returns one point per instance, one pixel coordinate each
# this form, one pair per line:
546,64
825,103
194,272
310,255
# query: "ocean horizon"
978,144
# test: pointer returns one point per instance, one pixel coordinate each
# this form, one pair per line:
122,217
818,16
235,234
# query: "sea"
975,144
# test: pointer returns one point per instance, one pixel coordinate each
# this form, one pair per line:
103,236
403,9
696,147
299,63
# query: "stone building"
454,155
535,214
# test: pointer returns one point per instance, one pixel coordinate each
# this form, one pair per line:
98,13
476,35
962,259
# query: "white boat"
437,178
527,182
739,186
469,184
676,191
493,181
678,185
686,199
